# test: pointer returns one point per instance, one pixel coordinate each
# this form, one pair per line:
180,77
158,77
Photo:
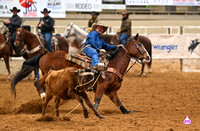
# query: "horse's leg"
47,99
142,69
80,99
98,95
57,102
40,85
6,59
87,100
115,99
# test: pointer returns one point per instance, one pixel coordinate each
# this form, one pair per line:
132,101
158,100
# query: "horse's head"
137,50
19,36
69,30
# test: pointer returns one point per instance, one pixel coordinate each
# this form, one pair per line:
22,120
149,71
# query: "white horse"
76,38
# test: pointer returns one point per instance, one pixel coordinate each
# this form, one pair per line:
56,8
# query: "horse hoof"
86,116
101,117
129,112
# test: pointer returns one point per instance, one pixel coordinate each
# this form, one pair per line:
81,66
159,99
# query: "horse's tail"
23,73
27,67
150,53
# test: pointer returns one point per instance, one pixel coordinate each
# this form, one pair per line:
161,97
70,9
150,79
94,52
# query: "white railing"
191,29
161,30
172,30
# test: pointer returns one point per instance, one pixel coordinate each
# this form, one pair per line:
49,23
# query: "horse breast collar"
4,44
37,48
113,70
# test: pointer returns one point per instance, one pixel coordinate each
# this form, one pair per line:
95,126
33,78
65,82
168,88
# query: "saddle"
54,42
84,61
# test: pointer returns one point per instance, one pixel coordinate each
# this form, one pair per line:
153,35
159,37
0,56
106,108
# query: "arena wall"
159,65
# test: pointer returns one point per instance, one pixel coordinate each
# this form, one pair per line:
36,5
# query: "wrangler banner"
175,46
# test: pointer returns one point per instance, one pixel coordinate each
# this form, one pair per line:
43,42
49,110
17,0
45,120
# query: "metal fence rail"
164,30
160,30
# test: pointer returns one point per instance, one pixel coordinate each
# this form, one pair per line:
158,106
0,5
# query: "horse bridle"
22,36
141,52
136,59
34,49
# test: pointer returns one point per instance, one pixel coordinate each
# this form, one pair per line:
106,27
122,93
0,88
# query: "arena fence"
168,30
156,34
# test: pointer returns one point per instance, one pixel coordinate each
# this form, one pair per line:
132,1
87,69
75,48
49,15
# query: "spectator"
46,24
13,23
93,19
125,30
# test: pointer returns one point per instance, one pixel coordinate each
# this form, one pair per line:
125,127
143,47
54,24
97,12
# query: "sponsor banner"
175,46
83,5
33,8
113,4
164,2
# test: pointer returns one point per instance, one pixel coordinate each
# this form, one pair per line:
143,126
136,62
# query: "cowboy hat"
125,13
95,13
15,9
45,10
94,26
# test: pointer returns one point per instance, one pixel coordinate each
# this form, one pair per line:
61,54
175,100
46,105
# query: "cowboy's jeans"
47,37
92,53
123,38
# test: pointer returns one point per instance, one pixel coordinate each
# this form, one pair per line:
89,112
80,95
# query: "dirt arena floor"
161,101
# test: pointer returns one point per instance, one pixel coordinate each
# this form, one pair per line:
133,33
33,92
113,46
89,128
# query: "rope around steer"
33,117
79,103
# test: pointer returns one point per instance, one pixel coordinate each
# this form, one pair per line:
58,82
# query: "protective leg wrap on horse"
27,67
124,111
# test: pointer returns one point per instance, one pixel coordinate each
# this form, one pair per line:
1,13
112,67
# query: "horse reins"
121,78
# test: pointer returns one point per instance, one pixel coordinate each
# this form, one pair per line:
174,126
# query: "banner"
33,8
175,46
164,2
113,4
83,5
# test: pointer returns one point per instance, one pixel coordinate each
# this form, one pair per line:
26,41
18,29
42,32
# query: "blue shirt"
97,42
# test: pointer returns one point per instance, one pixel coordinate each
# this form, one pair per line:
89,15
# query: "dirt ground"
161,101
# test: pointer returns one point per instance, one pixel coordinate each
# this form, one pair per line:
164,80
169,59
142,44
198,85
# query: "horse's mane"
81,31
111,54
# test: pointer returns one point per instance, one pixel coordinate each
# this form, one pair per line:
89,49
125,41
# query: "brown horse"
112,83
5,43
36,45
35,49
114,39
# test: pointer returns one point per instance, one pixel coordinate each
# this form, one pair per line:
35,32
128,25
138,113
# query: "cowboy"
13,23
94,43
46,24
125,30
93,19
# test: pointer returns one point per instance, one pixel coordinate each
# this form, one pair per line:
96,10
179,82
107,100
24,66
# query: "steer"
65,84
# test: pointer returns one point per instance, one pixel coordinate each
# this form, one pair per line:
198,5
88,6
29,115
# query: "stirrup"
100,67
